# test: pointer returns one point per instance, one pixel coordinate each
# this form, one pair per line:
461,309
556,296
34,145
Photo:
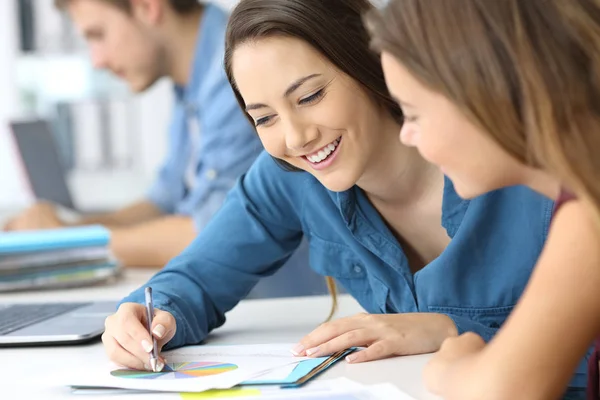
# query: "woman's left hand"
383,335
462,349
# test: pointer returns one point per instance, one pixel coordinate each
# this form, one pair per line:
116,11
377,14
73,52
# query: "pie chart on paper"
184,370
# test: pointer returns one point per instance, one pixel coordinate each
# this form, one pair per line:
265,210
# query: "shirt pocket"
491,317
338,261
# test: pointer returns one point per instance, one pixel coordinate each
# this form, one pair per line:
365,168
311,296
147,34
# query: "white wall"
154,114
13,192
226,4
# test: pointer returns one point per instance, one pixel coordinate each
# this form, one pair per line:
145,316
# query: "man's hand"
39,216
383,335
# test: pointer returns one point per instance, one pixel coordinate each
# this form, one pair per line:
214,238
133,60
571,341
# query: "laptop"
27,324
41,159
31,324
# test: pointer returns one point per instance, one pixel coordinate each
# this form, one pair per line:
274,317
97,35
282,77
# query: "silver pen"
150,316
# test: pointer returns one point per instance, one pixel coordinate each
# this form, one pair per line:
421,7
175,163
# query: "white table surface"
22,370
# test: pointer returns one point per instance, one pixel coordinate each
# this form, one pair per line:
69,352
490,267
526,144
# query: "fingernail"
159,331
147,367
159,366
312,352
147,346
297,349
351,358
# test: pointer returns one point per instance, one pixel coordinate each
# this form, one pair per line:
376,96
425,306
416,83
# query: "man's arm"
141,235
152,243
44,215
138,213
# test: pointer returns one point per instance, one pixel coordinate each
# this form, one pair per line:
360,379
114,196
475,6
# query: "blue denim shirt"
205,111
476,281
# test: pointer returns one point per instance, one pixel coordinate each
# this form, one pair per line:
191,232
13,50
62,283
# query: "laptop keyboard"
19,316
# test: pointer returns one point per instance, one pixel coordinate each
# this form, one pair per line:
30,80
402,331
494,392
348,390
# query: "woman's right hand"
127,340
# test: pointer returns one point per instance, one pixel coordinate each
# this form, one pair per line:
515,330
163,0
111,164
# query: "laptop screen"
41,159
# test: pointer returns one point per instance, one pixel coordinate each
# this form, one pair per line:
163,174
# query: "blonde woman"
500,93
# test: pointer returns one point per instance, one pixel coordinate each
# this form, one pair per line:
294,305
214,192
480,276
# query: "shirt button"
211,174
357,269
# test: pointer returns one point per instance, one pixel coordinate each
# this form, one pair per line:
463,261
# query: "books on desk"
55,258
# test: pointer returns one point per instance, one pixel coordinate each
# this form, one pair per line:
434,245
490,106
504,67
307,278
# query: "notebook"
53,239
56,258
302,372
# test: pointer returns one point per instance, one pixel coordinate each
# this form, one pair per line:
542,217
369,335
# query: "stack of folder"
55,258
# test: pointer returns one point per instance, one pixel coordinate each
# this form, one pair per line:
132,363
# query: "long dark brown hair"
527,72
333,27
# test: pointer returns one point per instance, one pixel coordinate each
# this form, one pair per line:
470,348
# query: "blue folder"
304,371
53,239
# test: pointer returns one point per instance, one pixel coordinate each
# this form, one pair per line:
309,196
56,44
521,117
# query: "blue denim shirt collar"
453,206
346,202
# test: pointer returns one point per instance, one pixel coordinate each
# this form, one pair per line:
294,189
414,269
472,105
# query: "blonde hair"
527,72
332,288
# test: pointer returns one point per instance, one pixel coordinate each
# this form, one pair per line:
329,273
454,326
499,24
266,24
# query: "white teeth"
324,152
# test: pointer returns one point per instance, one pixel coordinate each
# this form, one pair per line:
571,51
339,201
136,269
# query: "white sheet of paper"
271,351
194,373
277,350
327,389
278,374
386,391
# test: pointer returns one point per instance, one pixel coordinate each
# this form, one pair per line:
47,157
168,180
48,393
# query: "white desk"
253,321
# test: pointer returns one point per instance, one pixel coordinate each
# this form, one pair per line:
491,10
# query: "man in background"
210,141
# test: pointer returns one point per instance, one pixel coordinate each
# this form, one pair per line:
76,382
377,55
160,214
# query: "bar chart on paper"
182,370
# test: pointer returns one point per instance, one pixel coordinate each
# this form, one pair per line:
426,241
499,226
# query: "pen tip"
153,364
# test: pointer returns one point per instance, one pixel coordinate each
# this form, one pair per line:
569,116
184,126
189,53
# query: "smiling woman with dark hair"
386,224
